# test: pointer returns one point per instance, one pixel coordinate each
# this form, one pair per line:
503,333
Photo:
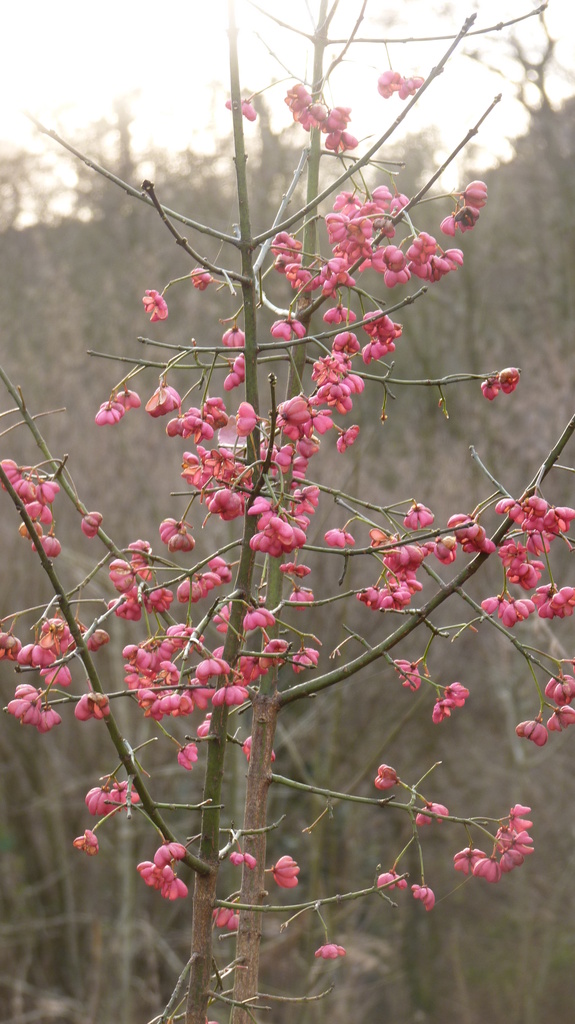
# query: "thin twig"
135,193
149,189
388,40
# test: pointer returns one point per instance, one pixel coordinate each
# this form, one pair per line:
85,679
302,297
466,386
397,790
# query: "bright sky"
66,60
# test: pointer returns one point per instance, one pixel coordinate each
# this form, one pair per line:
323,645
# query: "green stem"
205,887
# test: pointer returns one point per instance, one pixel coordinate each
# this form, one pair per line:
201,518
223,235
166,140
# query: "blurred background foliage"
84,940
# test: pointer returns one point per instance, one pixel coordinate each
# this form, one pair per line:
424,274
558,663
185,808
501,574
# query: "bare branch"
149,189
498,27
129,189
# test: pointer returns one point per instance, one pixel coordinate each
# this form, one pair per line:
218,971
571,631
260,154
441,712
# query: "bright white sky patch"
67,60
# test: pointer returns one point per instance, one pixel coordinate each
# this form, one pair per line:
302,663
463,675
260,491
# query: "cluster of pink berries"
117,406
248,109
540,524
37,492
110,798
30,708
355,229
466,213
402,560
49,656
391,880
391,82
560,691
312,113
159,873
156,678
505,381
134,582
512,845
201,583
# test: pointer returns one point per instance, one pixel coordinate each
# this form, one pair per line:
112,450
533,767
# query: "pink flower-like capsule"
258,618
51,545
248,110
201,279
300,597
187,756
418,517
390,880
346,439
409,672
129,399
438,810
169,852
466,860
487,868
155,304
103,799
60,675
171,887
26,705
204,727
330,951
338,315
224,917
392,263
273,654
164,400
10,646
230,695
91,523
475,194
287,329
339,142
110,412
92,705
509,378
212,667
386,777
425,894
339,539
88,843
237,858
234,337
306,657
246,419
409,87
454,696
517,821
237,375
175,535
285,872
561,690
445,549
447,225
388,83
534,731
561,718
509,610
